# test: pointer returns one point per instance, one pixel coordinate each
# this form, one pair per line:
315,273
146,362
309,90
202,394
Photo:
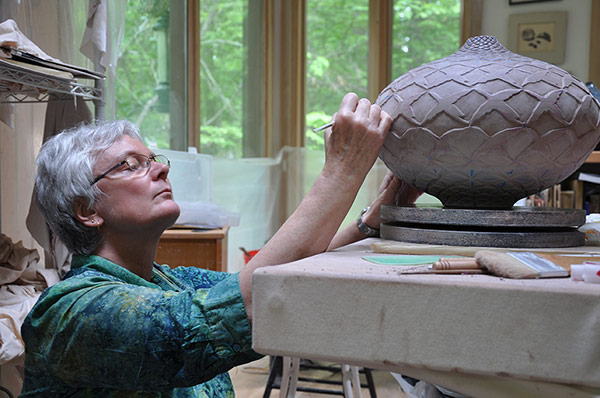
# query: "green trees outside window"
337,49
139,87
337,58
423,32
337,45
222,76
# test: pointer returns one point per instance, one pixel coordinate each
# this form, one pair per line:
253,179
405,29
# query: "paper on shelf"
589,177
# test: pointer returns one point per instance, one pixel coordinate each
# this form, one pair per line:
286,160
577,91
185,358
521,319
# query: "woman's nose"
159,170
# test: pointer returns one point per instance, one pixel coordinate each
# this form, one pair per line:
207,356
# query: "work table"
481,335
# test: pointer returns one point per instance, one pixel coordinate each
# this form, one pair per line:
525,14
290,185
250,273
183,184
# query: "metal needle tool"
323,127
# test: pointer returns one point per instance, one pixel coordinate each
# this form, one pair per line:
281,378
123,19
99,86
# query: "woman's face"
133,200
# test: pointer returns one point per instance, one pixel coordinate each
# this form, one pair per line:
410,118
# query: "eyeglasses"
135,163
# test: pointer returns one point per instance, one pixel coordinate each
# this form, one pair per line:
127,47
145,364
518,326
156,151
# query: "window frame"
284,67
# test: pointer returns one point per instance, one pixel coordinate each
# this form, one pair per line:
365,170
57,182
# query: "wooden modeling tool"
462,265
455,264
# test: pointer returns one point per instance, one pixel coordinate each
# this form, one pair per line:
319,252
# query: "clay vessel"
485,127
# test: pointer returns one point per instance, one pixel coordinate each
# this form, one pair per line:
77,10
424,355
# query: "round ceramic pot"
485,127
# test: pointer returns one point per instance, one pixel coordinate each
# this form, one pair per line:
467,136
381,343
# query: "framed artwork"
540,35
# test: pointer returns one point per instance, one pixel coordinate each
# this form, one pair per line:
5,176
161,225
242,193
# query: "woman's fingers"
375,115
385,120
363,108
355,140
349,103
407,195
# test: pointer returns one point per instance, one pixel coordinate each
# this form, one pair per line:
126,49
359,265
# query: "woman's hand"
355,140
351,148
392,191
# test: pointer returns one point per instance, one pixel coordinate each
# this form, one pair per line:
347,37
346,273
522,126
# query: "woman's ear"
87,216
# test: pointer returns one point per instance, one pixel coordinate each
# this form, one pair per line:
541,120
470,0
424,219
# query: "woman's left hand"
392,191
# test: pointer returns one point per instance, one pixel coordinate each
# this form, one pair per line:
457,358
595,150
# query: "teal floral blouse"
105,332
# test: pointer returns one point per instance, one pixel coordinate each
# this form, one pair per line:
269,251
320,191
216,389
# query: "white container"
577,271
190,175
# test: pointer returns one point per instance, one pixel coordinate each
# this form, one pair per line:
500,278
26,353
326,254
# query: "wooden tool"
455,264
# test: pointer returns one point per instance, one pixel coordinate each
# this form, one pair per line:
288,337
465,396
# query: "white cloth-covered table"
480,335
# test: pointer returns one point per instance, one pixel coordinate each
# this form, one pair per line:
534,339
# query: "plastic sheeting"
266,191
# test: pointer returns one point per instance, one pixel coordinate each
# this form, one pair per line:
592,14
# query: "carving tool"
323,127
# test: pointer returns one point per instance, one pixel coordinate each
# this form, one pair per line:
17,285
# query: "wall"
495,23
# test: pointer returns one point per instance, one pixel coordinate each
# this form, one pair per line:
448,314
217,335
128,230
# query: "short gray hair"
65,174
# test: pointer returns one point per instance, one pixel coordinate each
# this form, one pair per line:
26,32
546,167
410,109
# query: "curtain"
57,27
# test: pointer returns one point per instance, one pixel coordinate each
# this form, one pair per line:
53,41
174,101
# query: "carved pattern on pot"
485,127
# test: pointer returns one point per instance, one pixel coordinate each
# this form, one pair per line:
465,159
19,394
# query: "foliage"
337,61
423,31
337,48
137,71
222,73
337,53
222,141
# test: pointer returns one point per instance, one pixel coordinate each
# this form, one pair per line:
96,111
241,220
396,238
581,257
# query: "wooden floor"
249,381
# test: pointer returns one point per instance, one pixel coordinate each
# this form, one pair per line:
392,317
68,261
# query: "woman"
119,325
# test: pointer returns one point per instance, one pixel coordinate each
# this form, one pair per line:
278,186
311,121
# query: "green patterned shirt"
105,332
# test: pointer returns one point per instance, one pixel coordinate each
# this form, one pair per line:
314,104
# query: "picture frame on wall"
539,35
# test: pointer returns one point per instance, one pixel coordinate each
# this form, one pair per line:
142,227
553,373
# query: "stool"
284,375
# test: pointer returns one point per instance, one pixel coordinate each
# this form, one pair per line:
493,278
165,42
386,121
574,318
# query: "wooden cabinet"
192,247
594,157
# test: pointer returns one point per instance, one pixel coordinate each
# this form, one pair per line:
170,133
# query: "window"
151,88
338,47
337,58
230,78
424,30
260,75
235,37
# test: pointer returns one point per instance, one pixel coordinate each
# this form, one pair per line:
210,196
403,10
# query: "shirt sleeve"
195,277
117,335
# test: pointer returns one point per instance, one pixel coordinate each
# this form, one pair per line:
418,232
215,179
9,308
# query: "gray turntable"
519,227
